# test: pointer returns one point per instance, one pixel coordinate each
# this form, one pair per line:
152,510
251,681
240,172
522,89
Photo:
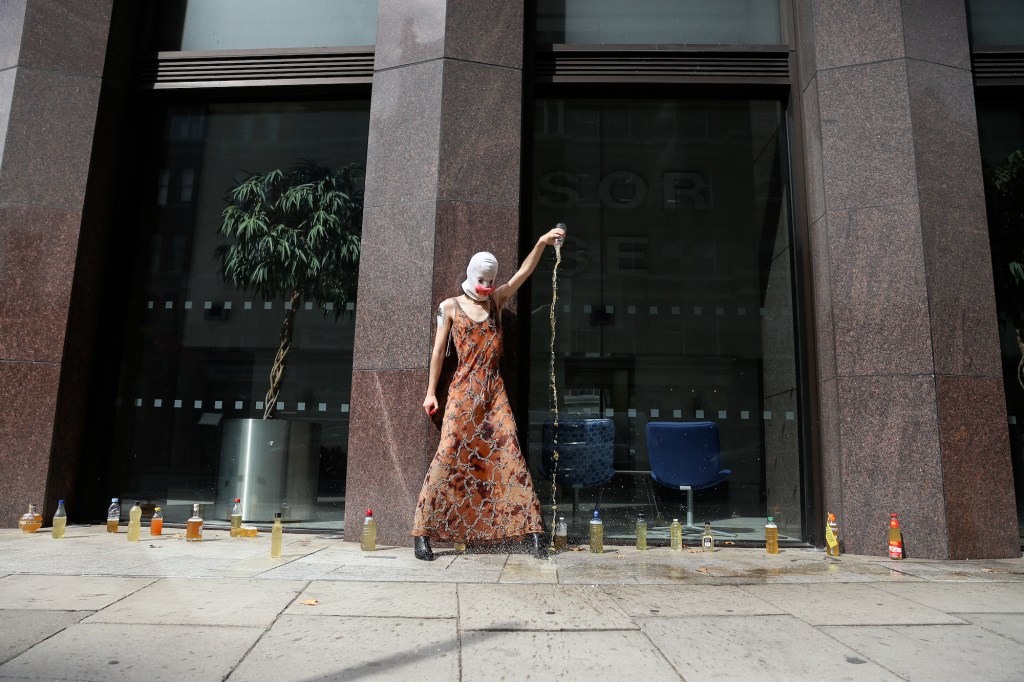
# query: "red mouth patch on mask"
481,290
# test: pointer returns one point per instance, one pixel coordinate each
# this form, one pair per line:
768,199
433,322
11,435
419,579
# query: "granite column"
910,383
442,182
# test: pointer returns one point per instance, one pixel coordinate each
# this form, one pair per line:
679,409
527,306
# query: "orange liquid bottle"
113,515
194,526
895,539
156,524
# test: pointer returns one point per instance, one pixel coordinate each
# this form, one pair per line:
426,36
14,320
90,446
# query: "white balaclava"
480,275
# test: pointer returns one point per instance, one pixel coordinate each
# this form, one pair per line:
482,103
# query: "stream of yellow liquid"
552,316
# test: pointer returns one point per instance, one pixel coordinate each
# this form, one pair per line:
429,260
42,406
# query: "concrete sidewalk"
96,607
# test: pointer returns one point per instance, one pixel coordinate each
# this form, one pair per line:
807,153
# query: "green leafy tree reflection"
294,235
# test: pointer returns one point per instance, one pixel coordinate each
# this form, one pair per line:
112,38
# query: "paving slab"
25,628
1009,625
963,571
936,652
204,601
756,648
524,569
973,597
539,607
382,599
332,647
848,604
607,655
688,600
444,569
104,652
66,593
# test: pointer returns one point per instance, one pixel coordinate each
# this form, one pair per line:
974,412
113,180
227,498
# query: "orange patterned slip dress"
478,487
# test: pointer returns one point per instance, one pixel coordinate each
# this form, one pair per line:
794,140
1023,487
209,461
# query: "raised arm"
444,325
507,290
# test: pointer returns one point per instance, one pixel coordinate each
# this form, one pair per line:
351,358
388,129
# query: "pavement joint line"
458,630
298,593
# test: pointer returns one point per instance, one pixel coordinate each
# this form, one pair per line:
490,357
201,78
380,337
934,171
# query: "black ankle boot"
421,548
536,546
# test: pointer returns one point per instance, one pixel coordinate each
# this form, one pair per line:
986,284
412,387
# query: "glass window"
995,23
198,350
674,313
648,22
1001,132
251,24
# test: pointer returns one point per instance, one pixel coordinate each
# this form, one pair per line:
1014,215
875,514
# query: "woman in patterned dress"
478,487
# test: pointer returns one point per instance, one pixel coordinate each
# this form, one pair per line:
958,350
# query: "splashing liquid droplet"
552,315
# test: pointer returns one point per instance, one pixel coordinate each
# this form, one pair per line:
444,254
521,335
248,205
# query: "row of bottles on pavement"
32,521
707,538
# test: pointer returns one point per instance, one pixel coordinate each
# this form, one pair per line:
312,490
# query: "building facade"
792,222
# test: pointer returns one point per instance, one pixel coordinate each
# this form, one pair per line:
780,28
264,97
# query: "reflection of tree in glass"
1005,185
294,235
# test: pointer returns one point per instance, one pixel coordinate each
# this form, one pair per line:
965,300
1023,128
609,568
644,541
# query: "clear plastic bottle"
895,539
194,526
30,521
831,536
771,536
276,537
561,535
236,519
596,534
135,522
641,532
156,524
113,515
675,534
707,538
60,521
368,537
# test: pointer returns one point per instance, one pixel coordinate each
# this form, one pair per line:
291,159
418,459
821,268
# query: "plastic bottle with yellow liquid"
831,536
276,537
113,515
194,526
561,535
641,532
134,523
60,520
596,534
368,536
236,519
771,536
675,534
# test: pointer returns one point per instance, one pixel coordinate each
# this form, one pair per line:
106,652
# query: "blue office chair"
586,448
685,456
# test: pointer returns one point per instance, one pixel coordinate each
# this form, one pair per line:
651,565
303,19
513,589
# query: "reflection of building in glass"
778,225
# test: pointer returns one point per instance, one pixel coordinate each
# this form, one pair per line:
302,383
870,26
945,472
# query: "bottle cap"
596,515
369,512
137,503
277,515
675,520
156,508
640,515
113,499
238,499
831,516
770,519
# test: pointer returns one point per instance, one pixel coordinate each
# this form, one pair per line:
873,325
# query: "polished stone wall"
442,182
52,56
913,419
